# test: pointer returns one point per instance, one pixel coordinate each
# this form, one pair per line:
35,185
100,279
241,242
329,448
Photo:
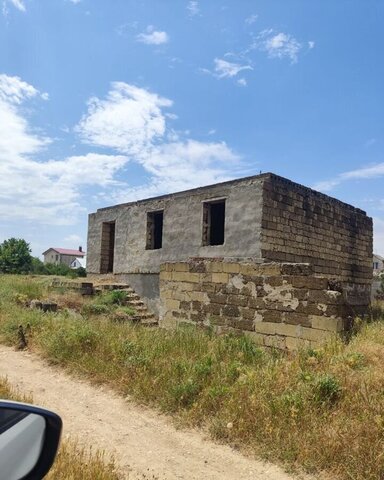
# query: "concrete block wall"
182,228
278,304
302,225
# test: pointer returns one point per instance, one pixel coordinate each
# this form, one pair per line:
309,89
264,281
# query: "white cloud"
182,165
16,139
19,4
153,37
131,121
242,82
373,171
14,90
128,120
193,8
278,45
311,44
326,185
251,19
225,69
45,192
75,1
73,239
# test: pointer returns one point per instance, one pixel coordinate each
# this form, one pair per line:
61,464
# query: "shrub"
40,268
326,389
115,297
95,309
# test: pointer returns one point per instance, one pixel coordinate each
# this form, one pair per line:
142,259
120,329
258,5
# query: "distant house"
79,262
378,264
63,256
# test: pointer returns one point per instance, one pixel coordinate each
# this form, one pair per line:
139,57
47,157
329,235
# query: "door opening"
107,247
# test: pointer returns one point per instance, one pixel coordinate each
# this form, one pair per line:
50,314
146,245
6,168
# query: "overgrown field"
321,410
73,461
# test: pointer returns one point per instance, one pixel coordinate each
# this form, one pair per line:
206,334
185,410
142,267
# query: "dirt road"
142,441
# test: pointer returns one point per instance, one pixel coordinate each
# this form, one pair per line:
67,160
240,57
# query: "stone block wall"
278,304
302,225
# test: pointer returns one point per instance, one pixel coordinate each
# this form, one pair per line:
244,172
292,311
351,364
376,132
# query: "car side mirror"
29,439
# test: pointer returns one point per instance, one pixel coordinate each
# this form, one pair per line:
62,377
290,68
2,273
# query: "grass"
73,461
320,410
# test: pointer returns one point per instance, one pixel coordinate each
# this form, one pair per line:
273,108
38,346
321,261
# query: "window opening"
214,222
155,230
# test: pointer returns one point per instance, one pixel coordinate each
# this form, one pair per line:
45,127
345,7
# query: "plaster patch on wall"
322,307
281,294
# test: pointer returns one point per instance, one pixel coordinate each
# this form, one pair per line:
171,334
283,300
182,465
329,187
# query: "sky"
108,101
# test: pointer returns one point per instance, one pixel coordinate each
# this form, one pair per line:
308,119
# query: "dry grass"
73,462
321,410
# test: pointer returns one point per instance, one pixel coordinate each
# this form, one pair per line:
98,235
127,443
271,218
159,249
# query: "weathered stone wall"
302,225
266,217
277,304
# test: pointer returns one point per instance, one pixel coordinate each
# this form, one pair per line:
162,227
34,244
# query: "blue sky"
103,102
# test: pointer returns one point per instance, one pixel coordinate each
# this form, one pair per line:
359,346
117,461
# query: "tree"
15,256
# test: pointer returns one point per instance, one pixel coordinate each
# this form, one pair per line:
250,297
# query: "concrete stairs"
133,300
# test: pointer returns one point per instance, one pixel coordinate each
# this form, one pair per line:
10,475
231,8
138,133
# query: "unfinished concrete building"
255,220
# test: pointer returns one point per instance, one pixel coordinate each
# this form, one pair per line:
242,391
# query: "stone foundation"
283,305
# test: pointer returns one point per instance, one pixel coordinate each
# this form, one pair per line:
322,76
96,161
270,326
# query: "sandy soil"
142,441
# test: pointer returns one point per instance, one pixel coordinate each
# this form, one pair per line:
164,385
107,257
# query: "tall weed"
321,409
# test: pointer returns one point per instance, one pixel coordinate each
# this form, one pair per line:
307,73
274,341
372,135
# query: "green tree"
15,256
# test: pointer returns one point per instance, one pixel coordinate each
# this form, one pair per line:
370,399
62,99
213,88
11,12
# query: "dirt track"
142,441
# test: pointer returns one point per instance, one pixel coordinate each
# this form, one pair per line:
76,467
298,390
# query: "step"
132,296
138,308
146,316
115,286
149,323
134,303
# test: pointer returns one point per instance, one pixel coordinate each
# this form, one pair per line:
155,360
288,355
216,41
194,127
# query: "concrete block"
295,318
328,297
248,313
239,300
315,335
269,328
215,267
220,277
165,276
326,323
294,344
218,298
307,281
231,311
296,269
212,309
240,323
231,268
256,337
274,281
275,341
271,316
199,296
171,304
256,303
180,267
186,277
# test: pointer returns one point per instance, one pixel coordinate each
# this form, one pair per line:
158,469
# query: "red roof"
66,251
